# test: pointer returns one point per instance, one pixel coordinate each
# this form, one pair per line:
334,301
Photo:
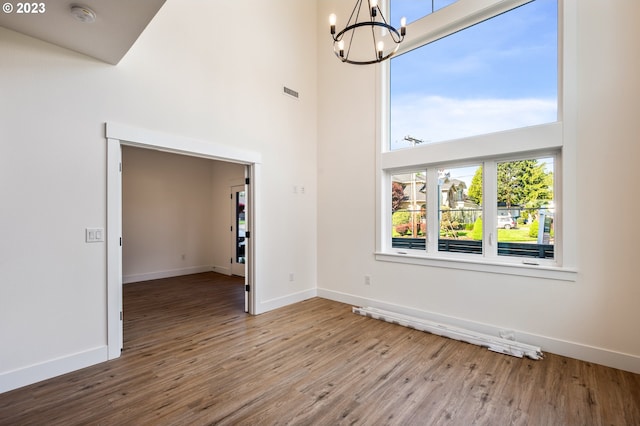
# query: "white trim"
177,144
540,138
480,264
134,278
570,349
114,248
119,134
225,270
35,373
253,249
279,302
566,193
453,18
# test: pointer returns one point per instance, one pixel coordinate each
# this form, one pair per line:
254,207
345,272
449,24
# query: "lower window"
459,212
525,208
501,209
408,209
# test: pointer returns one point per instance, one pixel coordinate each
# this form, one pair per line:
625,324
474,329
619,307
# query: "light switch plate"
94,235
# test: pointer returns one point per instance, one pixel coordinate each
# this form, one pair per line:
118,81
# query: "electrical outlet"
367,280
290,276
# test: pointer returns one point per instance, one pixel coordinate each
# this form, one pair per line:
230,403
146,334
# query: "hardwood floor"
193,357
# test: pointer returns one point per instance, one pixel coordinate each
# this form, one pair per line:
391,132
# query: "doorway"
119,135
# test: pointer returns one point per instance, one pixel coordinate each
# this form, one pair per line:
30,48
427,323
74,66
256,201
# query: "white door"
238,230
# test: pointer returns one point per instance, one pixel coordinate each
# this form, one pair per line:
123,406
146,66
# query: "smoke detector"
83,14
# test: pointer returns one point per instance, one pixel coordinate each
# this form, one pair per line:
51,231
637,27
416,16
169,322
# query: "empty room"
336,212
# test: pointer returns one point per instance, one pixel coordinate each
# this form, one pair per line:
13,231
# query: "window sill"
495,267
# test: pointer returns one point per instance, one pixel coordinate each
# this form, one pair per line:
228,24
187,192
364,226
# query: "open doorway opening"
175,212
119,136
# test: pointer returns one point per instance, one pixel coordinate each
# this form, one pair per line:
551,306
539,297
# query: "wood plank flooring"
193,357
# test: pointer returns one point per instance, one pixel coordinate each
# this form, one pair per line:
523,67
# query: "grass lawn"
504,235
515,235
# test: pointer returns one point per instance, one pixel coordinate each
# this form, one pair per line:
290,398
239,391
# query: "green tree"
400,217
475,190
524,182
477,229
533,229
539,185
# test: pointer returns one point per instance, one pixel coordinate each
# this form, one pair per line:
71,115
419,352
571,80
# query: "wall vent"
290,92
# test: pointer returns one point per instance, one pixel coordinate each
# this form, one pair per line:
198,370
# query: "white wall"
594,318
183,76
175,214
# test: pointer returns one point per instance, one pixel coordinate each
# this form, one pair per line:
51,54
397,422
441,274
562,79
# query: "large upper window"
496,75
474,97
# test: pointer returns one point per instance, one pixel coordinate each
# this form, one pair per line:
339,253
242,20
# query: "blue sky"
496,75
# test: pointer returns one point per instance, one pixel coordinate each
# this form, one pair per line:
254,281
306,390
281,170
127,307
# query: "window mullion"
489,209
383,218
433,202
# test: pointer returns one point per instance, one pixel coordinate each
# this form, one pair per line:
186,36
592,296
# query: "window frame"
555,139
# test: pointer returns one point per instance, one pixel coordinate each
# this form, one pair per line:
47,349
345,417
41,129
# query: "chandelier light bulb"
374,6
332,22
403,26
380,49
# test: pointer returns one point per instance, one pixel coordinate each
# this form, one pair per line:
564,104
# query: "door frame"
118,135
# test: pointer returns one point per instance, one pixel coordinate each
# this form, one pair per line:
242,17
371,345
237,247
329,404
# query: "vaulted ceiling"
117,26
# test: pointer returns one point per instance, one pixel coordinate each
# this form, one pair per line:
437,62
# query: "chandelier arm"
339,36
392,30
374,61
355,12
392,33
396,36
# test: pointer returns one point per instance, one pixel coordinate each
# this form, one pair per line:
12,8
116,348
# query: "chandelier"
366,36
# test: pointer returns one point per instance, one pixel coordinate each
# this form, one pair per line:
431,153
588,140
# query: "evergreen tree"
523,183
475,190
519,183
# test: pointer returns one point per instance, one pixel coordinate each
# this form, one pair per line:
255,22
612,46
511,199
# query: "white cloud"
435,119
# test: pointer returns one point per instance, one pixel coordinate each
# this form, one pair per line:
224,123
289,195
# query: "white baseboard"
225,270
156,275
279,302
34,373
575,350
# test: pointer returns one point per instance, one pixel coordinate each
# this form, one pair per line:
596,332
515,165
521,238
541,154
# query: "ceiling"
118,25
